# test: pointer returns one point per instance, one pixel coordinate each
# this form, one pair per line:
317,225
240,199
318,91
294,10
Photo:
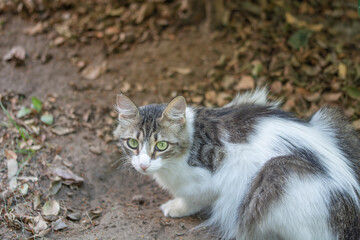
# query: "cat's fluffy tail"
258,97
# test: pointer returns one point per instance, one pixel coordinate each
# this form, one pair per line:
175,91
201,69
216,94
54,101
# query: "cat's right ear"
126,108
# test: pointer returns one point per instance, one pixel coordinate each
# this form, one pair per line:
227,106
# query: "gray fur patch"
344,217
233,124
348,140
268,187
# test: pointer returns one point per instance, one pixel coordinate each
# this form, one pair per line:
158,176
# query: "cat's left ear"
126,108
175,110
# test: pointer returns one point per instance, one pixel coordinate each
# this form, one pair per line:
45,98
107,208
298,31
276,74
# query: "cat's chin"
146,172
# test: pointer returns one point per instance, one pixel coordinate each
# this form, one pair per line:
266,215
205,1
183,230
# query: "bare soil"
305,52
106,187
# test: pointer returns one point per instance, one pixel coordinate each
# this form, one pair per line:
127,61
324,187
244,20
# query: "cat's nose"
144,166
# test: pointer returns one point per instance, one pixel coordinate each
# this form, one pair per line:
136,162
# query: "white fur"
191,186
258,96
141,162
300,214
244,160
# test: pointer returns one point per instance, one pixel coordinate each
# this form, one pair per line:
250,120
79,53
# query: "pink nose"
144,166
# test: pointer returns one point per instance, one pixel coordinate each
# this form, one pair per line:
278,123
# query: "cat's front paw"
175,208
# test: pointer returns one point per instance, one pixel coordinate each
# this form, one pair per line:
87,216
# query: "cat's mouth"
144,171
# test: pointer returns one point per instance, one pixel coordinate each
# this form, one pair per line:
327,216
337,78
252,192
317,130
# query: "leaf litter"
299,53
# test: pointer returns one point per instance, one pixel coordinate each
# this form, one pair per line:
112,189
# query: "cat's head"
154,136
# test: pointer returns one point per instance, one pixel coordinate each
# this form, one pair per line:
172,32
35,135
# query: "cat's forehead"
151,111
148,118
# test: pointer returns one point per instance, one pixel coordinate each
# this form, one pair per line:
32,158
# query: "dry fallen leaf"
51,207
145,11
9,154
125,87
59,225
342,70
197,99
228,81
210,96
17,53
276,87
356,124
55,187
68,175
92,72
75,216
289,104
246,82
95,150
40,224
313,97
181,70
12,167
222,98
36,201
332,97
138,199
62,130
95,213
38,28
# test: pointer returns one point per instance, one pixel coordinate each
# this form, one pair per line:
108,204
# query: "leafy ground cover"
64,61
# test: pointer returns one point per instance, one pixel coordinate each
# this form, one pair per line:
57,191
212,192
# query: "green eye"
132,143
161,146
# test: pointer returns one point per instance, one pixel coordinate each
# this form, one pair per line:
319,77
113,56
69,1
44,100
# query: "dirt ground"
109,188
208,68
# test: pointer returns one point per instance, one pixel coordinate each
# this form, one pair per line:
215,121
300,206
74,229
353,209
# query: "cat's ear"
175,110
126,108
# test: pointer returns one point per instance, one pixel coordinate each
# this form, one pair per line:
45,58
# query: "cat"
264,173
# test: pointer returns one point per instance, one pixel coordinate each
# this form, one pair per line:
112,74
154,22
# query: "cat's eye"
132,143
161,146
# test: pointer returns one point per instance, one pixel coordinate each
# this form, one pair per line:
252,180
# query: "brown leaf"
181,70
210,96
289,104
112,30
10,154
145,11
59,41
313,97
95,150
222,98
197,99
276,87
92,72
228,81
38,28
342,71
125,87
332,97
67,174
246,82
356,124
62,130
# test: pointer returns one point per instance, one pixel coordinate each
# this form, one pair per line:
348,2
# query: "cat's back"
236,123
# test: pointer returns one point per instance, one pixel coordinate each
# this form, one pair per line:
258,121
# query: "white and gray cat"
264,173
